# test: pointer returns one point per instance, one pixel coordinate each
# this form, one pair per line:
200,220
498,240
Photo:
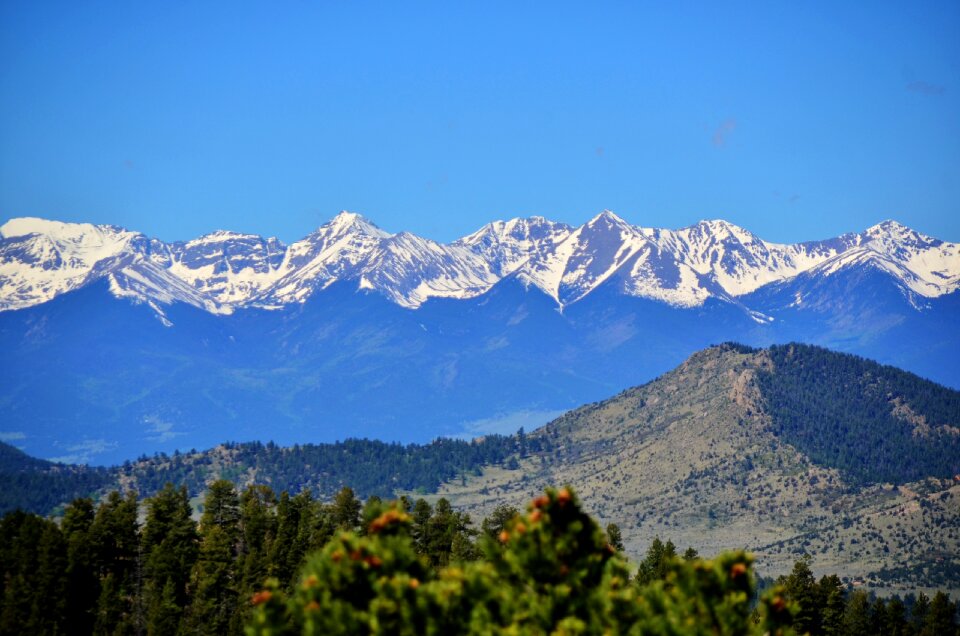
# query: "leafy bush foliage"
550,571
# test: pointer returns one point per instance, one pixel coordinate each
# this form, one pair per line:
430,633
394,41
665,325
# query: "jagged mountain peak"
508,245
350,222
517,228
722,231
889,227
894,234
684,267
21,226
585,259
607,218
82,235
224,236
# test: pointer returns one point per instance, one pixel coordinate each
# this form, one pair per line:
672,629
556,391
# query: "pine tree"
442,532
614,537
24,606
832,599
295,526
170,550
422,511
856,619
164,611
801,588
654,566
942,617
110,607
493,525
895,623
115,537
918,613
50,588
214,597
214,578
221,507
878,617
346,509
81,578
258,529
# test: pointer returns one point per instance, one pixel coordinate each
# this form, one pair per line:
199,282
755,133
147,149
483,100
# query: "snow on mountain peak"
888,227
933,264
584,258
720,230
221,236
507,245
609,218
40,259
410,269
347,221
97,240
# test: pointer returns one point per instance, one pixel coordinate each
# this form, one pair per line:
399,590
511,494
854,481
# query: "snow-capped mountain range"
223,271
116,344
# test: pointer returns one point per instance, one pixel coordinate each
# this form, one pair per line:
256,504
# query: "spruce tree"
115,539
919,611
801,587
654,566
832,599
895,623
493,525
942,617
614,537
346,509
214,577
81,578
422,511
50,587
170,547
856,619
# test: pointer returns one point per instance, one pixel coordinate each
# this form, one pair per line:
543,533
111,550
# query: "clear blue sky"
796,120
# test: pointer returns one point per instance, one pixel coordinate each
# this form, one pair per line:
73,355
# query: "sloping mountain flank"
784,451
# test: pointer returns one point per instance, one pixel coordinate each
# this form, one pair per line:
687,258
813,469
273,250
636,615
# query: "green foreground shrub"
551,572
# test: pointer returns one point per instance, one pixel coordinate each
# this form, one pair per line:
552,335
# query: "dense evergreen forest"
372,468
39,486
282,564
875,423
